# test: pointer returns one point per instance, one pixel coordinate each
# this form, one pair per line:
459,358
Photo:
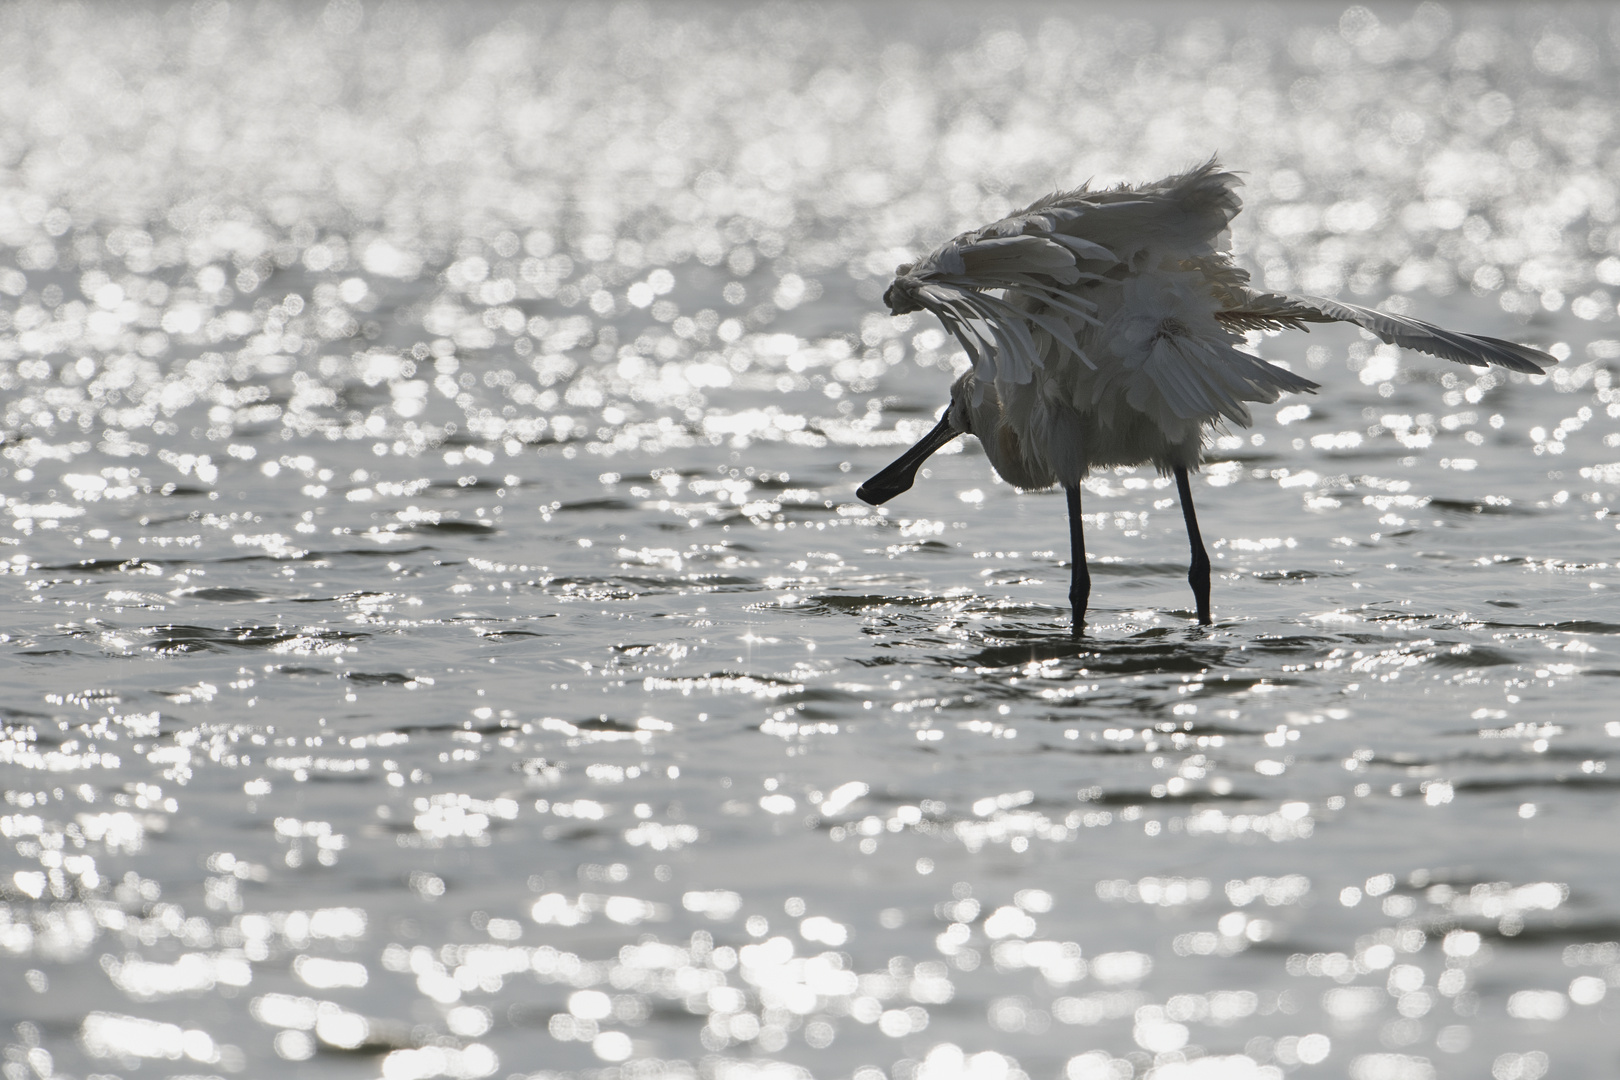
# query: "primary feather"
1103,325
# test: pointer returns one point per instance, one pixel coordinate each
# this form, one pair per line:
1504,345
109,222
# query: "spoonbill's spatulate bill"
1103,329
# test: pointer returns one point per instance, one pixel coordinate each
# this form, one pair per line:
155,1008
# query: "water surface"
441,638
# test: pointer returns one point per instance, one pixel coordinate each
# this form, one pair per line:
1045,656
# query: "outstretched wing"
1048,256
1426,337
1249,310
1182,216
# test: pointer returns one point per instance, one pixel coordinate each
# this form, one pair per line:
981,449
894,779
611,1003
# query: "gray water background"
440,637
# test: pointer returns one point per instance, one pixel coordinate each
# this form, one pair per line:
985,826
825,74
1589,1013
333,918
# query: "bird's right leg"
1198,574
1080,580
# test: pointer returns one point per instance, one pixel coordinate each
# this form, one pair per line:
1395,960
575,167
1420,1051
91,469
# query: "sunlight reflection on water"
442,638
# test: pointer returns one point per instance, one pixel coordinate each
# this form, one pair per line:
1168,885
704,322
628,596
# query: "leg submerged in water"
1198,575
1080,574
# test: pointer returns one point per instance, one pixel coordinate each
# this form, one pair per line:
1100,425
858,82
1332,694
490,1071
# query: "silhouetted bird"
1103,329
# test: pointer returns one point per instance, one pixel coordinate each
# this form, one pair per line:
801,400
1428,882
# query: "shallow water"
441,638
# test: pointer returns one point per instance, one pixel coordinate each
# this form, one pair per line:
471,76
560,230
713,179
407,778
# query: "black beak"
899,476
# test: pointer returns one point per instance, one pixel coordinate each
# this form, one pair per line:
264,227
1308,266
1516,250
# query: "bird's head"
902,473
967,411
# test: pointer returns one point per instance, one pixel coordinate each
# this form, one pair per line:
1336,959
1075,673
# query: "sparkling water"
441,638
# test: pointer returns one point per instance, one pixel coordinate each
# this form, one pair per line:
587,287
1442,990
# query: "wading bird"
1103,329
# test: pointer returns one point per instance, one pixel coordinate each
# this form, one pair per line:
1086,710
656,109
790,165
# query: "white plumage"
1103,328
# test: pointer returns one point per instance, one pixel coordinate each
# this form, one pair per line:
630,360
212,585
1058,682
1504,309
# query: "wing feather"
1267,311
1083,248
1066,302
1059,330
1474,349
1015,345
1183,214
942,302
1199,380
985,260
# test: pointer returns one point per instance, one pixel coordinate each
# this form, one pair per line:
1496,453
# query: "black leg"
1198,575
1080,581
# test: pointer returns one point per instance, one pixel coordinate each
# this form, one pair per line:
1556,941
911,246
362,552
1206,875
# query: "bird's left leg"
1198,575
1080,581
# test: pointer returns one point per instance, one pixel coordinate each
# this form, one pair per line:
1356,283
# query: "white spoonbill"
1103,329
